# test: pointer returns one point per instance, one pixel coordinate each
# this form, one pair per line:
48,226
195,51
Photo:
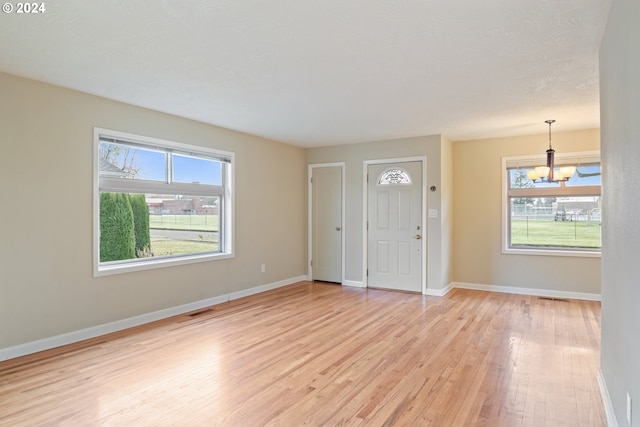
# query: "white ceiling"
326,72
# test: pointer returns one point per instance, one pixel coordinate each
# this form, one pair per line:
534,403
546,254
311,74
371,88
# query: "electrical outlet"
628,408
263,268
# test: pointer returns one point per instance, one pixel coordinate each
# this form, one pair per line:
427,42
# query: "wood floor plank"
319,354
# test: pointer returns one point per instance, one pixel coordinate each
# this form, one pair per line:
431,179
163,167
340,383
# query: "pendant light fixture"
548,173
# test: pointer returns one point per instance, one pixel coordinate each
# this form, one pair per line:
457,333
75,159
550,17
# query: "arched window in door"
394,176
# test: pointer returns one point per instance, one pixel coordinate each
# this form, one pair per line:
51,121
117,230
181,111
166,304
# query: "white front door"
326,221
394,252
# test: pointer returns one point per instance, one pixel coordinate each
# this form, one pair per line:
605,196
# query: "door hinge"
367,272
311,263
311,180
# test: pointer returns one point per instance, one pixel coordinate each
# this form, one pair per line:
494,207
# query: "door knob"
418,237
338,228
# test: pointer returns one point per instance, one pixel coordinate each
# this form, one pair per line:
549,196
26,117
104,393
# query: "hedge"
141,223
117,237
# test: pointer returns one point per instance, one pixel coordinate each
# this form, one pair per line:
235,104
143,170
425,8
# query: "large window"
159,203
552,218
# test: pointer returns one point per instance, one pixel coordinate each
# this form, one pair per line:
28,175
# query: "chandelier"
548,173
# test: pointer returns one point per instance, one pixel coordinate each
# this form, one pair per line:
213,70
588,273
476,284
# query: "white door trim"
341,165
365,214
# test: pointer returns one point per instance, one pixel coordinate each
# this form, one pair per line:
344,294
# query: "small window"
196,170
394,176
562,218
159,203
133,162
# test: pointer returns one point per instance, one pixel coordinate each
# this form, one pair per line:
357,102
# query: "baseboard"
529,291
353,284
606,399
439,292
118,325
264,288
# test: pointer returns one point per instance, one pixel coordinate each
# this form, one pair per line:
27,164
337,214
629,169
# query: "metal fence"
550,214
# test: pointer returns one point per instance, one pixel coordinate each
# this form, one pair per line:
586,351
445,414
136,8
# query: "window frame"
562,191
226,190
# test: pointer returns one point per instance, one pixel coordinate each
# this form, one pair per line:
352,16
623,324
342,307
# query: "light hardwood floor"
319,354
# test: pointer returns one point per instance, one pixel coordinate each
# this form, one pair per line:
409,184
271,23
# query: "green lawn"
184,222
577,234
179,247
200,225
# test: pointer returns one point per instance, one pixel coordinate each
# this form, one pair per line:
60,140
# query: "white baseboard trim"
608,405
353,284
439,292
118,325
529,291
264,288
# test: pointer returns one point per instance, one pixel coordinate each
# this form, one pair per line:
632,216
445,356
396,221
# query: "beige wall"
46,283
354,155
446,212
620,117
477,218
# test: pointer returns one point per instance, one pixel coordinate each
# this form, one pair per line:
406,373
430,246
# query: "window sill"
108,269
551,252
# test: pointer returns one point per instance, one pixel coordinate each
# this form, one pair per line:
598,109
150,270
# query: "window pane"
555,222
394,176
586,175
118,160
134,226
183,224
518,179
196,170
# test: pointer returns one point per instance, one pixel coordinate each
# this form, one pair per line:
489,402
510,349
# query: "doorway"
326,210
395,226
